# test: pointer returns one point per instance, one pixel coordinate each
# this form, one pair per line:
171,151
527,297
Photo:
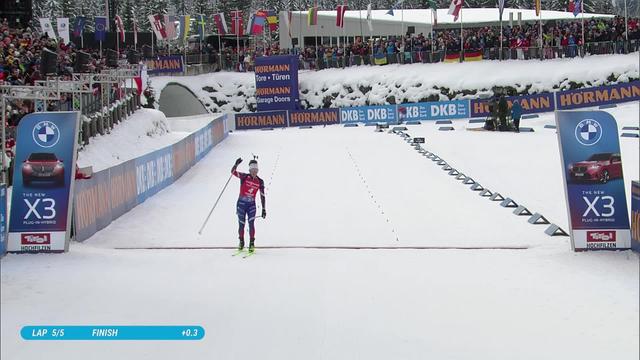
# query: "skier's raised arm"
235,166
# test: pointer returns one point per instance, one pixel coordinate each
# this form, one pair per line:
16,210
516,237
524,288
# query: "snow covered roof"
469,16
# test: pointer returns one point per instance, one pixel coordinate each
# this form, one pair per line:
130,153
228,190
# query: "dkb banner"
164,64
43,183
594,186
536,103
601,95
369,114
314,117
635,215
458,109
276,82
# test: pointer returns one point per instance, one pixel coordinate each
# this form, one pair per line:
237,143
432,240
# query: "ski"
249,253
238,252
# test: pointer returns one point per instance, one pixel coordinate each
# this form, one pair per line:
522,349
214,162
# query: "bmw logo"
46,134
588,132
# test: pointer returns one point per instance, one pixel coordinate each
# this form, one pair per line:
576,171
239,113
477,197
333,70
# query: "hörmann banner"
441,110
536,103
314,117
43,184
112,192
261,120
594,183
276,83
596,96
369,114
164,65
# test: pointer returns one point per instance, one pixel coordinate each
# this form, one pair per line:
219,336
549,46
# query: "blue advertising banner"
153,173
594,185
369,114
260,120
457,109
277,83
43,182
536,103
3,219
635,215
600,95
314,117
164,64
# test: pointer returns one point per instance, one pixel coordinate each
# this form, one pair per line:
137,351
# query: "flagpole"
540,22
626,23
361,32
461,37
582,20
152,35
237,28
300,42
500,36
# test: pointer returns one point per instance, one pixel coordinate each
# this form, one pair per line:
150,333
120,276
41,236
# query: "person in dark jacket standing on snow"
516,114
503,111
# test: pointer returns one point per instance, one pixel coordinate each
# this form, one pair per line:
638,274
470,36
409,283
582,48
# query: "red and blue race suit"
246,206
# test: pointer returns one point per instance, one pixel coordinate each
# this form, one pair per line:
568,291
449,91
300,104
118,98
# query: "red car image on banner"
42,168
598,167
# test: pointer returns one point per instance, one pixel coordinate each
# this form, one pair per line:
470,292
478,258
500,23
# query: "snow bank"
144,131
393,84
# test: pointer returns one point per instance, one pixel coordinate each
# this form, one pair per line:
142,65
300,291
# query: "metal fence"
230,63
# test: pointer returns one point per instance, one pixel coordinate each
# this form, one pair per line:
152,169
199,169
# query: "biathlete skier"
250,184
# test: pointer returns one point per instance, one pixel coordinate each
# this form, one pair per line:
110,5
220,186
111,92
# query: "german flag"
472,56
452,58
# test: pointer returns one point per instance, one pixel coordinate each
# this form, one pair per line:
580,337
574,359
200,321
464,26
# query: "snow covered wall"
112,192
396,84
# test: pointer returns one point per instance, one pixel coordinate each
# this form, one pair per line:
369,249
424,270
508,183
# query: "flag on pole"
454,8
501,7
538,7
572,6
341,9
395,7
185,26
63,29
221,23
47,28
200,21
369,19
101,28
272,20
170,27
120,27
289,19
434,11
78,26
158,26
236,22
135,28
312,16
577,7
256,23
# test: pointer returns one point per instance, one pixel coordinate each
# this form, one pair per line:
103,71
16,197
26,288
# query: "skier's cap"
253,165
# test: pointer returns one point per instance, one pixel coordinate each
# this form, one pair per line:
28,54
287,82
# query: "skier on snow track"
250,184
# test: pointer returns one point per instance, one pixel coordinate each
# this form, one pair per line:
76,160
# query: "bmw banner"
594,186
43,180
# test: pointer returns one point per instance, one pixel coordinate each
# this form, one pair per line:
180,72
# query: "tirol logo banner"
594,184
43,180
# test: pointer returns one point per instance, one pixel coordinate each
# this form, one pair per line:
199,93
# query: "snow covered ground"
484,284
144,131
362,85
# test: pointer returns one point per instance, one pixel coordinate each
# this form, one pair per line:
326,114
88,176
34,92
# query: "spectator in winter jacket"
503,111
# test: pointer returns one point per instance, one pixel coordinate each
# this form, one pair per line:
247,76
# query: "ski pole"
214,205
